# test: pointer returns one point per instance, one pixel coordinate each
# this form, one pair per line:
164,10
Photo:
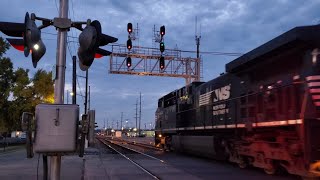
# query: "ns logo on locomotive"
264,111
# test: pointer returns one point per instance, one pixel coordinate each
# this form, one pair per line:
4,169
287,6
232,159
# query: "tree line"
20,93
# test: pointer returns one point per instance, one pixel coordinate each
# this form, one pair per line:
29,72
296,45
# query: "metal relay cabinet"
56,128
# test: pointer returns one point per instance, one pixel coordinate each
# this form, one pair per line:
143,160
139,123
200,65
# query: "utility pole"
127,121
89,99
86,96
67,96
140,114
74,74
55,161
107,127
121,120
117,124
197,38
136,114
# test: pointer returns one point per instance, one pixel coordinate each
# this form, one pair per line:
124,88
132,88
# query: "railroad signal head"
129,44
162,48
31,35
161,63
90,39
162,31
129,62
129,28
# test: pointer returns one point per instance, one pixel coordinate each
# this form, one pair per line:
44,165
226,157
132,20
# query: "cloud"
226,26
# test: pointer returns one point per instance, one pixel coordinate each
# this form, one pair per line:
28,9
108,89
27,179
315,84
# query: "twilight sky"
226,26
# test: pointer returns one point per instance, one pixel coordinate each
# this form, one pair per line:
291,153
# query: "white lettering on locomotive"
222,93
219,94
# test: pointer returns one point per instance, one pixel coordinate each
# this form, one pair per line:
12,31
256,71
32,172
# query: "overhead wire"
216,53
74,43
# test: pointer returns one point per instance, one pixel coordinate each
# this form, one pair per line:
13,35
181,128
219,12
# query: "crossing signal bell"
129,62
129,44
161,63
129,28
31,37
162,31
90,39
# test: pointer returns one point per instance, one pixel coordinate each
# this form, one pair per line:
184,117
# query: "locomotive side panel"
264,112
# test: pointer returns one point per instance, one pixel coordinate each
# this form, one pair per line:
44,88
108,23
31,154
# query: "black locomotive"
263,111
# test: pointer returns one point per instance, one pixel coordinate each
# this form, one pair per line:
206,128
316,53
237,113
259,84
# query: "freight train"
264,111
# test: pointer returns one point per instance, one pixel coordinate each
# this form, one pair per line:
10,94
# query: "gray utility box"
56,128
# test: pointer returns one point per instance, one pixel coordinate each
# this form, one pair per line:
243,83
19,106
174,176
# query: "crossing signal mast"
27,38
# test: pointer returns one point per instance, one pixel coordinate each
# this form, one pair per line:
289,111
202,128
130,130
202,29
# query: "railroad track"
118,148
134,143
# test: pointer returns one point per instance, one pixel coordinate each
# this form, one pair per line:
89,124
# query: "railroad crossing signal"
129,28
129,62
90,39
161,63
31,37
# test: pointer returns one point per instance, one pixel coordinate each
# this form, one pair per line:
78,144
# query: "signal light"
129,28
31,35
161,63
162,47
129,62
162,31
129,44
90,39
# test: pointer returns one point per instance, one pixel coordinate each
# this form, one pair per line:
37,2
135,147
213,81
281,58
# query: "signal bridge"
145,62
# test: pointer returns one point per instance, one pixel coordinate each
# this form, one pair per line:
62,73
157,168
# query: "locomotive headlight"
160,135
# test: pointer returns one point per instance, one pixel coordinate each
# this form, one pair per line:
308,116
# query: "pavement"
15,166
99,163
95,165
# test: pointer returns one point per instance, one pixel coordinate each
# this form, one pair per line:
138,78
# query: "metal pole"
74,74
136,114
55,161
121,120
117,124
67,96
89,99
86,96
198,62
140,114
